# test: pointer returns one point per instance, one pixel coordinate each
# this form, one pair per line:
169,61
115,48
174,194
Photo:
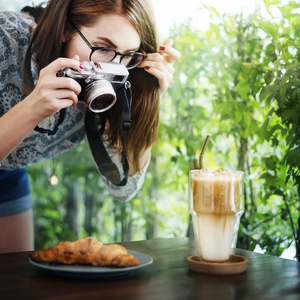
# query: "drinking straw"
202,152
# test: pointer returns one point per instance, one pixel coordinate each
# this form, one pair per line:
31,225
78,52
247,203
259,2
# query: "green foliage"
237,82
250,67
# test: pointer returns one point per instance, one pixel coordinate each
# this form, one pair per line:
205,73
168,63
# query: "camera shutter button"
87,65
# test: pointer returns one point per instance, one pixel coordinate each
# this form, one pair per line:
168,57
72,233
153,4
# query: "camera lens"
102,103
100,96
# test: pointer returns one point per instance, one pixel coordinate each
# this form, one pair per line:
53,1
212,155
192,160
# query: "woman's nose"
117,59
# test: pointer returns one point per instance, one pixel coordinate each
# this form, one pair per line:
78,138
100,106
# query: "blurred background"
238,81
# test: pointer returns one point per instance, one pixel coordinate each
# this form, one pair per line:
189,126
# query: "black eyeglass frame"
93,49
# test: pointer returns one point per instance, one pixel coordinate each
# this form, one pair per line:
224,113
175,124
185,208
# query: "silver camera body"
99,83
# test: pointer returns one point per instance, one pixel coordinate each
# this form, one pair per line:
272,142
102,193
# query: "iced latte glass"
216,205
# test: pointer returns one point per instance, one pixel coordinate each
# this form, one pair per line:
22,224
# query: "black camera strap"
62,113
103,161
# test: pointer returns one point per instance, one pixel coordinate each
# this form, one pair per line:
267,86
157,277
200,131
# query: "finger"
160,69
51,84
76,57
154,57
66,97
67,83
65,94
161,77
168,42
163,73
61,63
168,52
51,102
59,99
155,60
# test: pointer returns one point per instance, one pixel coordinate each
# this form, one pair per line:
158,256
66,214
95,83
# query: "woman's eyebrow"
114,46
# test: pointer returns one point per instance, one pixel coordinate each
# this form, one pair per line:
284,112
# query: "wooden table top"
168,277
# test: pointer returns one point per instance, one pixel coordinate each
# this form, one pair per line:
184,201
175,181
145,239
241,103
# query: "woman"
63,38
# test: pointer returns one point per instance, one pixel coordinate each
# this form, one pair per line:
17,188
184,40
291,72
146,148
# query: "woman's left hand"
160,64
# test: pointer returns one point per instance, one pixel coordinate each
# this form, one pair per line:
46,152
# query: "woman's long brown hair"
47,44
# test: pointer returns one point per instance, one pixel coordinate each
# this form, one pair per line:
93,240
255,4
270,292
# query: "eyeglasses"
104,54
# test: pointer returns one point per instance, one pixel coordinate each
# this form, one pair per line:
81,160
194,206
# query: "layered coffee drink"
216,207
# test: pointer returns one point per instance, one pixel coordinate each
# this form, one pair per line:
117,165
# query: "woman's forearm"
15,125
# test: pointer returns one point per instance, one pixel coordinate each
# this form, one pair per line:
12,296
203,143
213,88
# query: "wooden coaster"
237,264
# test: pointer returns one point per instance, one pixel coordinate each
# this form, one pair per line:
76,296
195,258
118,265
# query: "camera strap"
102,159
62,113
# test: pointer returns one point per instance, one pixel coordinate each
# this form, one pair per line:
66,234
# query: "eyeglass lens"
106,55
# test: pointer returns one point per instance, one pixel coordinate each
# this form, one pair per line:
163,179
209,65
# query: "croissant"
86,251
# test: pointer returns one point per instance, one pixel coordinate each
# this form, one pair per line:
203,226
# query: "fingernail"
81,66
147,68
162,48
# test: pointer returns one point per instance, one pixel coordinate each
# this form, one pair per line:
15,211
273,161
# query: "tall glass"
216,205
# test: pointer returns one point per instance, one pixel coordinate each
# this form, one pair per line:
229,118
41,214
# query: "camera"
99,83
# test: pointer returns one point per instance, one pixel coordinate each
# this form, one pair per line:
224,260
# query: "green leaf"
283,93
287,114
243,88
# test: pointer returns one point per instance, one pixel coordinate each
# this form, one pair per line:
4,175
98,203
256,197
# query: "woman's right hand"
53,93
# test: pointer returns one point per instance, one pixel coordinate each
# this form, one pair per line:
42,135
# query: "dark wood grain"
168,277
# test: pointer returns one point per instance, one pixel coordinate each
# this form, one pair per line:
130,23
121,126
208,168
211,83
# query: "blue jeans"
14,192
